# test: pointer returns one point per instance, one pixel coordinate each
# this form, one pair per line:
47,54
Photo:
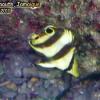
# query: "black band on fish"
62,52
71,63
52,40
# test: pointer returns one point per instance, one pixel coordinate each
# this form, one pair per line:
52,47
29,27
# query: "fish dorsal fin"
74,70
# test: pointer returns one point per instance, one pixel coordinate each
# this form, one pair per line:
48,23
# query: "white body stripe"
52,50
61,63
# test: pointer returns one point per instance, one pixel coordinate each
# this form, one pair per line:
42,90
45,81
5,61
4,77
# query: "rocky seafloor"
20,79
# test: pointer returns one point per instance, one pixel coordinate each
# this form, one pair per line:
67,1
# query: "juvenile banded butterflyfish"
56,45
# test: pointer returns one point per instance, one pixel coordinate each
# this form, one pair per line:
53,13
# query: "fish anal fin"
74,70
45,64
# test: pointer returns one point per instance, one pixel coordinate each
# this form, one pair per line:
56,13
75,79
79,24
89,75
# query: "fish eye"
49,30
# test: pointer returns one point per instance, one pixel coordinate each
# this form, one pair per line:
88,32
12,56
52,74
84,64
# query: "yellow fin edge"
74,71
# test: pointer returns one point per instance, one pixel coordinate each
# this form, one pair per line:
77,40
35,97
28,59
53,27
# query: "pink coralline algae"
74,7
47,9
91,5
61,1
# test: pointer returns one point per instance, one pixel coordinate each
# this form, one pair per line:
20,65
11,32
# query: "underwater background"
20,79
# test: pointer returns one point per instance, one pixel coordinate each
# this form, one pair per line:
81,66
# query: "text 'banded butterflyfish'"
56,45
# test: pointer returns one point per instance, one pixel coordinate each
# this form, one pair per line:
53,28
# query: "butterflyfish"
56,44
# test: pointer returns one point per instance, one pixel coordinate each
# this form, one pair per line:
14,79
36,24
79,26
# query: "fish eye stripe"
52,39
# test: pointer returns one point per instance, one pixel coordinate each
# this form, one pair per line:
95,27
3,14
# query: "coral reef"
20,79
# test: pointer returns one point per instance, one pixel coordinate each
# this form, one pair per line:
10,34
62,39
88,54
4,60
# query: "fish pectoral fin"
74,71
45,64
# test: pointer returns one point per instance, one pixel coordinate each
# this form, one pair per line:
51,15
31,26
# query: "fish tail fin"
74,70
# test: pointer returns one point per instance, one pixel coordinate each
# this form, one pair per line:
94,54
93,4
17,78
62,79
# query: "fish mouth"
31,42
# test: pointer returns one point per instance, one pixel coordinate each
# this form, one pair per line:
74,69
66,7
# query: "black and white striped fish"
56,45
